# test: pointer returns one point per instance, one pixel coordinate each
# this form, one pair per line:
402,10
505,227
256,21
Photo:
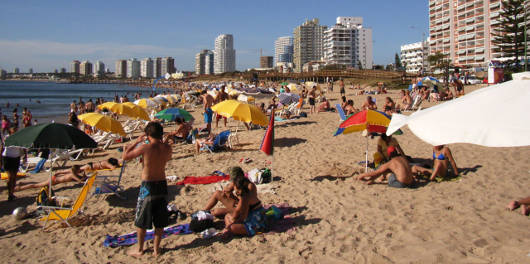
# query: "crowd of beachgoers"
239,204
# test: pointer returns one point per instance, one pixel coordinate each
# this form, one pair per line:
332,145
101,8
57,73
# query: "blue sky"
46,35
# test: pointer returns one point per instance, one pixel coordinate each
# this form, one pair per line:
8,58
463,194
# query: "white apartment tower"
133,68
209,63
349,43
99,68
85,68
283,50
462,30
224,54
308,43
146,68
121,69
414,56
204,62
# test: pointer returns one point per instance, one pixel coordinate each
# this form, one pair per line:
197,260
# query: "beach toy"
20,213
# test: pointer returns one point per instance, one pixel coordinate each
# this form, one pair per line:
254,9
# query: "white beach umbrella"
495,116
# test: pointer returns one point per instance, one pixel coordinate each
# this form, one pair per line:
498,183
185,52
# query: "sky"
48,35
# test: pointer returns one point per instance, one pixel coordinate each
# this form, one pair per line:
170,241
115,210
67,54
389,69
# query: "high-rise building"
55,71
121,69
146,68
167,66
3,74
74,67
30,70
266,61
348,43
224,54
414,56
463,30
85,68
157,67
63,70
133,68
204,62
209,63
17,70
308,43
283,49
99,67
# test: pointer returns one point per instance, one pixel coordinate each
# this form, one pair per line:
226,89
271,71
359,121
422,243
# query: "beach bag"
200,221
266,175
42,198
272,215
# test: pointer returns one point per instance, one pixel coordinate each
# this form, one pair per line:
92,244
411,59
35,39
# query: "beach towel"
19,174
132,238
39,166
216,176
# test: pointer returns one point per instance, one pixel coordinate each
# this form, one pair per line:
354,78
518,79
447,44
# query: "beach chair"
218,143
341,112
63,214
105,184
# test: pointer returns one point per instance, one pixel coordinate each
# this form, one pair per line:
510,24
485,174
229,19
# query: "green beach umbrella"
51,135
170,114
284,83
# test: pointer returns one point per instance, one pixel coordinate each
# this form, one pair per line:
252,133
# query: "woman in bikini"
243,211
74,174
442,156
109,164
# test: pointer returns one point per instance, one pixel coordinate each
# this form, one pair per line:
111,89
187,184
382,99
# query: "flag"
267,143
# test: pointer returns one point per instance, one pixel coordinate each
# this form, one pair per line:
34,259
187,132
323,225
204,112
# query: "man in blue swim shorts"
207,102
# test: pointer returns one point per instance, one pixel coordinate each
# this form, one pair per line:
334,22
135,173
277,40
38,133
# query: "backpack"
42,198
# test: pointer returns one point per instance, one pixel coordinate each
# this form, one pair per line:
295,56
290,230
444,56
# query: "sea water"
49,101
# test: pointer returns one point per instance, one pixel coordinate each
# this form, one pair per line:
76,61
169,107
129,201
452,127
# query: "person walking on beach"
207,102
151,208
15,120
342,90
11,162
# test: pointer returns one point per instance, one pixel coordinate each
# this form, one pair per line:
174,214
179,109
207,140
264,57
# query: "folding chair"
63,214
106,184
220,141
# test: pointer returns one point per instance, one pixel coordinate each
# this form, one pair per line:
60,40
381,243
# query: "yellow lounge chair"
65,213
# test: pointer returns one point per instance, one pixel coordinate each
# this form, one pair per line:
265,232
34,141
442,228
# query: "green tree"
397,62
509,36
439,61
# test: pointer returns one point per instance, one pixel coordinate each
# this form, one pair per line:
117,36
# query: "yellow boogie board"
20,174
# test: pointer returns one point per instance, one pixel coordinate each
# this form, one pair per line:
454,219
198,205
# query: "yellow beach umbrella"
140,113
241,111
102,122
146,103
107,105
292,87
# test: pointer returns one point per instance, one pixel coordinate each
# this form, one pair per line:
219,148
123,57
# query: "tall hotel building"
121,69
167,66
99,68
463,30
146,68
224,54
414,56
133,68
349,43
85,68
308,43
283,50
74,67
204,62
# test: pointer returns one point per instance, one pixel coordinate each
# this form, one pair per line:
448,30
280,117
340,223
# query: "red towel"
204,179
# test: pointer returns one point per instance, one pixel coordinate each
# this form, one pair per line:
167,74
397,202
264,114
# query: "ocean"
49,101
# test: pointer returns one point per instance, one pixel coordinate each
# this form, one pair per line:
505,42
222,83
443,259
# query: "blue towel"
132,238
39,166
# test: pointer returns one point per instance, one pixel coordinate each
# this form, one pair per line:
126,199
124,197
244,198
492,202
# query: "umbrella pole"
51,176
366,157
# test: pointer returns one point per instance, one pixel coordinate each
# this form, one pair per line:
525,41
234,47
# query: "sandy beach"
335,220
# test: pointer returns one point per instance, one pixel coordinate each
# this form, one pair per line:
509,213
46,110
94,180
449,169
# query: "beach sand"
336,220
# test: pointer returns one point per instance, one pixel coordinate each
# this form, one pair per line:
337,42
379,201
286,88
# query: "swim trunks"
393,182
208,115
11,164
311,101
256,221
151,208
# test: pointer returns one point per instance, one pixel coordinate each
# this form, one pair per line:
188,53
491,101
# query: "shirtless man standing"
207,102
151,208
401,172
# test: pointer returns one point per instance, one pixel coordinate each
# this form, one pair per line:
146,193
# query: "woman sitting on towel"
442,156
243,211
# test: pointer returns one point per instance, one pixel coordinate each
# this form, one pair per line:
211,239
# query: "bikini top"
440,157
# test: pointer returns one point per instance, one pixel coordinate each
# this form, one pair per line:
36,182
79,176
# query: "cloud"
45,55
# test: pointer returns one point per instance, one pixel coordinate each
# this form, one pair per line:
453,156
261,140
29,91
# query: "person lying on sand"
523,203
401,173
243,211
108,164
75,174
